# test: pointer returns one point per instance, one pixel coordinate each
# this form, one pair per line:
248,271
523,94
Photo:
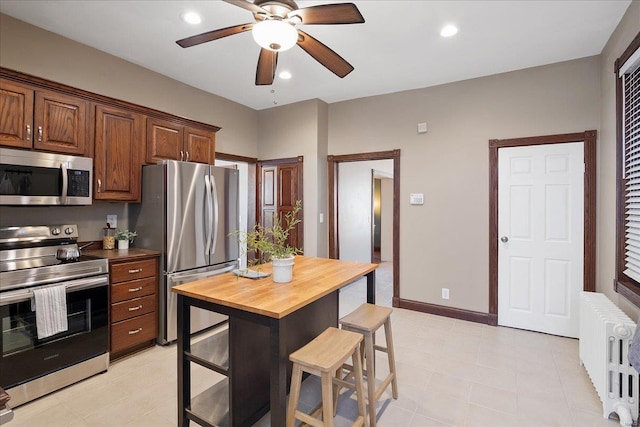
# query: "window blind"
631,141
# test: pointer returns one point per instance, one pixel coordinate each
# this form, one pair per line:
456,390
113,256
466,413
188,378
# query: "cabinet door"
118,154
200,145
60,123
16,115
164,141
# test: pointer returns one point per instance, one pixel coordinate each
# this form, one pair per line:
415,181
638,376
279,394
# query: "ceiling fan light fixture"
275,35
191,17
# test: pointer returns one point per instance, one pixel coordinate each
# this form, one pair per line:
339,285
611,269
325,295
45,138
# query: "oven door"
24,357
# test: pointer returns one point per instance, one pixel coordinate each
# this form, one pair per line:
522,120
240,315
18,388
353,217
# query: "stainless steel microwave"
37,178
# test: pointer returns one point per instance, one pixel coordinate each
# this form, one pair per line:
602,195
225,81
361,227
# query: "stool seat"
366,320
326,352
367,317
323,356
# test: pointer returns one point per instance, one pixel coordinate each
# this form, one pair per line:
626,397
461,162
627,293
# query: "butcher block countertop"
313,278
120,255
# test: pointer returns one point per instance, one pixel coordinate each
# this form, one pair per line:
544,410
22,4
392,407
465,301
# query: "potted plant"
124,237
272,244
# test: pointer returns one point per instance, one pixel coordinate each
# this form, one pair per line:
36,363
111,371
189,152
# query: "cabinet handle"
181,155
139,288
39,133
99,185
28,138
136,270
135,331
187,153
135,308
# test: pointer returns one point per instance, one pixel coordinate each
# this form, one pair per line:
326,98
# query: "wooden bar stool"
322,357
366,320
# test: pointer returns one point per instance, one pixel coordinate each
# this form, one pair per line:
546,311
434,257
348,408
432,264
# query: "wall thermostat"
416,199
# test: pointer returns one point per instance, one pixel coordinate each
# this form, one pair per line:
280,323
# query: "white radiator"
605,336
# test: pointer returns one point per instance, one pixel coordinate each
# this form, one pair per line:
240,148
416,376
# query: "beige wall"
444,243
298,130
618,42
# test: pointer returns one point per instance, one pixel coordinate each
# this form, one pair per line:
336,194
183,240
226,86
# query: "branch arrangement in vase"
266,243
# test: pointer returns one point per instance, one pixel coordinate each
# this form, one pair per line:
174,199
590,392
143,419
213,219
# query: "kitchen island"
267,321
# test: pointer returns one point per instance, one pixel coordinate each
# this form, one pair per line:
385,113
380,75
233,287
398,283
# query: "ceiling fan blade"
321,53
247,5
342,13
266,70
214,35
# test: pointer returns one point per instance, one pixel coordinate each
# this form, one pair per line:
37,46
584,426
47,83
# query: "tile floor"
450,373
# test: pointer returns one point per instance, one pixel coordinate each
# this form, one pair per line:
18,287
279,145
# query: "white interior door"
541,232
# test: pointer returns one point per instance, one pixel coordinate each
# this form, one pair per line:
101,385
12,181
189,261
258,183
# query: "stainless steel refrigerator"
187,212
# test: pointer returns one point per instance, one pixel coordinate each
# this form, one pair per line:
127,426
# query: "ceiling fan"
274,30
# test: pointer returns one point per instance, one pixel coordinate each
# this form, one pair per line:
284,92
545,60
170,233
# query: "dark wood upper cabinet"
200,145
60,123
16,115
167,140
42,119
119,139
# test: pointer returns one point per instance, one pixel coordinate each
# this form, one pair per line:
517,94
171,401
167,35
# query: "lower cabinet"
134,305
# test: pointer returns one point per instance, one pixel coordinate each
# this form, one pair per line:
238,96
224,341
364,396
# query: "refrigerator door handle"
207,218
214,211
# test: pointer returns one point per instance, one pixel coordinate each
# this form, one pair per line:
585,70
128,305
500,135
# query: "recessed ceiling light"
191,18
448,31
285,75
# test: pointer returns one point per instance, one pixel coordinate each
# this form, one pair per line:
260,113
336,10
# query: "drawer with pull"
133,289
132,308
124,271
128,333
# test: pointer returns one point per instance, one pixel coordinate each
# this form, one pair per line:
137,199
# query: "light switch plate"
112,220
416,199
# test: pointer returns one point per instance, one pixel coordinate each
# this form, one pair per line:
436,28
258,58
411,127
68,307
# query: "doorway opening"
357,209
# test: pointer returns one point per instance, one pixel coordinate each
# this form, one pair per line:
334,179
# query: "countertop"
313,278
120,254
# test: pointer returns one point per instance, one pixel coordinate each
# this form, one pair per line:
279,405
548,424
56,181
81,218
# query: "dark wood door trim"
589,138
235,158
334,252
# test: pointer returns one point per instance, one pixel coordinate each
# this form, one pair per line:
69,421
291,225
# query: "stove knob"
68,230
55,231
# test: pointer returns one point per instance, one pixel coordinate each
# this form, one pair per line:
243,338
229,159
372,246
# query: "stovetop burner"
28,257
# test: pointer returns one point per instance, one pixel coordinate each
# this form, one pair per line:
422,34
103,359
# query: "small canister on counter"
109,239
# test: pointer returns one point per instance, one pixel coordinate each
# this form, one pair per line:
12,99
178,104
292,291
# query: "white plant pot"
282,269
123,244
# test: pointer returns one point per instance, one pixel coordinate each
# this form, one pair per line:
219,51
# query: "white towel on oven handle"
50,305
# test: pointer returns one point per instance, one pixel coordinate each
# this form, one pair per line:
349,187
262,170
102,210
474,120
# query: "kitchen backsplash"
90,219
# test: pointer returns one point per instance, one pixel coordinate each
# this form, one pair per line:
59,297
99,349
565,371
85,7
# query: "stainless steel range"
37,258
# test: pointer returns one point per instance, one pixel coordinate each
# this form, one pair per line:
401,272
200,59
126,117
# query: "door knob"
504,239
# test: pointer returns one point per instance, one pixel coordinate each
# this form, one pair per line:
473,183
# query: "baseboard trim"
440,310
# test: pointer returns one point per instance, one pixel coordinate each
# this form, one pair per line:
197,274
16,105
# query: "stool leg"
371,377
392,357
294,395
357,367
327,399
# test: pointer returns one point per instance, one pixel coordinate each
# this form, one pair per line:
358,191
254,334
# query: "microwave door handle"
214,196
65,183
207,217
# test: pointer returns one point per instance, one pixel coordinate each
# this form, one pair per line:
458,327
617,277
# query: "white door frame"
589,139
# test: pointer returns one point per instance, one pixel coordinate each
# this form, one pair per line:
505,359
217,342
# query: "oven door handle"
13,297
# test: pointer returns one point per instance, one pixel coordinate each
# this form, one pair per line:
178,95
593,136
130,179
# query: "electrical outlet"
445,293
112,220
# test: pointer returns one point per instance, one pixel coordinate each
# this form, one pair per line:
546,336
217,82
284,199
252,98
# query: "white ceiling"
397,48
